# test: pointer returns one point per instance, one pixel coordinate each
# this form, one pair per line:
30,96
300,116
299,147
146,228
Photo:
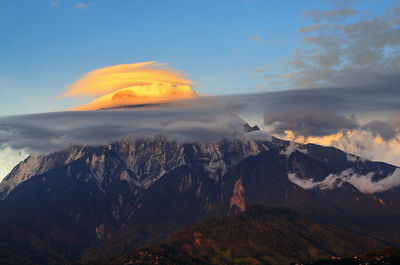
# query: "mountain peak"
248,128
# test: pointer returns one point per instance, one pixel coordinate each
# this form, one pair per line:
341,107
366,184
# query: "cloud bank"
49,131
363,183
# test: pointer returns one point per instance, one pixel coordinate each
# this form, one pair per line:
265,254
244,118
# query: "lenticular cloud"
130,84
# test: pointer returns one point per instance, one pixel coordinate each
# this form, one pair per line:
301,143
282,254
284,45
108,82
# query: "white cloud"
363,183
291,148
9,158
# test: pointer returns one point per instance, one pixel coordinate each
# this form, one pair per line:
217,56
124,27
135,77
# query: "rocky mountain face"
142,161
84,202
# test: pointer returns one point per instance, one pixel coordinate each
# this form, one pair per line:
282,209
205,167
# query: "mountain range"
89,202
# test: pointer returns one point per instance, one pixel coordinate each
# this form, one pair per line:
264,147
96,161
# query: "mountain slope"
259,235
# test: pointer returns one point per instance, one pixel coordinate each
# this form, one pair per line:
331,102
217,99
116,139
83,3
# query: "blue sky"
218,44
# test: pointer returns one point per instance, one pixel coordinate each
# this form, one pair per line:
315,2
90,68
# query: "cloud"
258,70
342,104
381,100
359,142
382,128
81,6
338,51
331,15
53,3
130,84
387,129
308,122
50,131
213,118
291,148
256,38
297,110
47,132
363,183
286,110
313,27
9,158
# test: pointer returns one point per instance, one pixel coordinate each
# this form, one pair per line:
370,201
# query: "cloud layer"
49,131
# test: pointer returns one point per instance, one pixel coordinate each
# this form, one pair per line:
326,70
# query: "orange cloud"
130,84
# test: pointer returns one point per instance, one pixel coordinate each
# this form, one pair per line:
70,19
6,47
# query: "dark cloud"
319,111
387,129
382,128
49,131
309,122
345,100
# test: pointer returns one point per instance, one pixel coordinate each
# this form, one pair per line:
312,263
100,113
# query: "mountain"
92,201
142,161
259,235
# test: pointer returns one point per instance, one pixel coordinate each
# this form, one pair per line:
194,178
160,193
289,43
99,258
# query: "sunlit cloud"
130,84
360,142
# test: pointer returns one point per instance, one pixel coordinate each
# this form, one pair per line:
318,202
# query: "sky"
221,46
320,71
